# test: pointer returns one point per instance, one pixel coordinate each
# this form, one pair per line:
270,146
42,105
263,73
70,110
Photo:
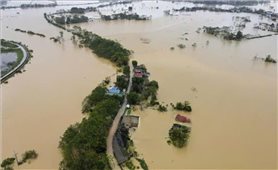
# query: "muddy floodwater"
233,96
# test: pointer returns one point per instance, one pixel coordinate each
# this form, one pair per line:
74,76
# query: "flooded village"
139,84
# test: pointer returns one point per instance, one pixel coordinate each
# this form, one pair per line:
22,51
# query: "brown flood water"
234,105
39,104
235,102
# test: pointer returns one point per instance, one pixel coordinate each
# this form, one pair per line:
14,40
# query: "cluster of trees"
122,16
105,48
269,59
28,155
224,32
47,18
75,10
162,108
179,135
8,163
75,19
122,82
83,145
182,106
24,6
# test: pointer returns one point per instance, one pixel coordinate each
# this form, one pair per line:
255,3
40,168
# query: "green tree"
134,63
122,82
133,98
7,163
239,35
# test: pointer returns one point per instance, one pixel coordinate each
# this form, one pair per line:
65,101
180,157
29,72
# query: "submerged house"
182,119
114,91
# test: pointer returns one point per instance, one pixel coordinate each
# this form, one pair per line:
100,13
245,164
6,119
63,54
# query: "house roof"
182,119
119,153
138,74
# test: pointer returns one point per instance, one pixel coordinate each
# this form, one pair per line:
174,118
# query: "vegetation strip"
29,32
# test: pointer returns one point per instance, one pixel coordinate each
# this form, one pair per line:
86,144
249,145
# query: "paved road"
22,62
114,127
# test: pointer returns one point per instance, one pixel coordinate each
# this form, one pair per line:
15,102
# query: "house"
182,119
140,71
138,75
114,91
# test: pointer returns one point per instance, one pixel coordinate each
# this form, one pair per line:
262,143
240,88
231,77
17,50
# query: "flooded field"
233,96
6,59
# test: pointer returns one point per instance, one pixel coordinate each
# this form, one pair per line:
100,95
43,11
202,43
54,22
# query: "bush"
7,163
29,155
183,106
143,164
134,63
162,108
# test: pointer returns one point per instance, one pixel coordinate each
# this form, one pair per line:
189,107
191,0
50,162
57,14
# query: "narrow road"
22,62
114,127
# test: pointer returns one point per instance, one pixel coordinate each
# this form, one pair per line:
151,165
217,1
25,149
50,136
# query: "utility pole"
15,156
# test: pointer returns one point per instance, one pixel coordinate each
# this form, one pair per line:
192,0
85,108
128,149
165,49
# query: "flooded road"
234,97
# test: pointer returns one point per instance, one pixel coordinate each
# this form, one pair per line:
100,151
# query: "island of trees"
179,135
224,32
29,32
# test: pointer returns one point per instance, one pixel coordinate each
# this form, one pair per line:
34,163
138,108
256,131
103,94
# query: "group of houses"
120,140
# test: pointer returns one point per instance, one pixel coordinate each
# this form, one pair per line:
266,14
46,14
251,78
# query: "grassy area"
7,44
